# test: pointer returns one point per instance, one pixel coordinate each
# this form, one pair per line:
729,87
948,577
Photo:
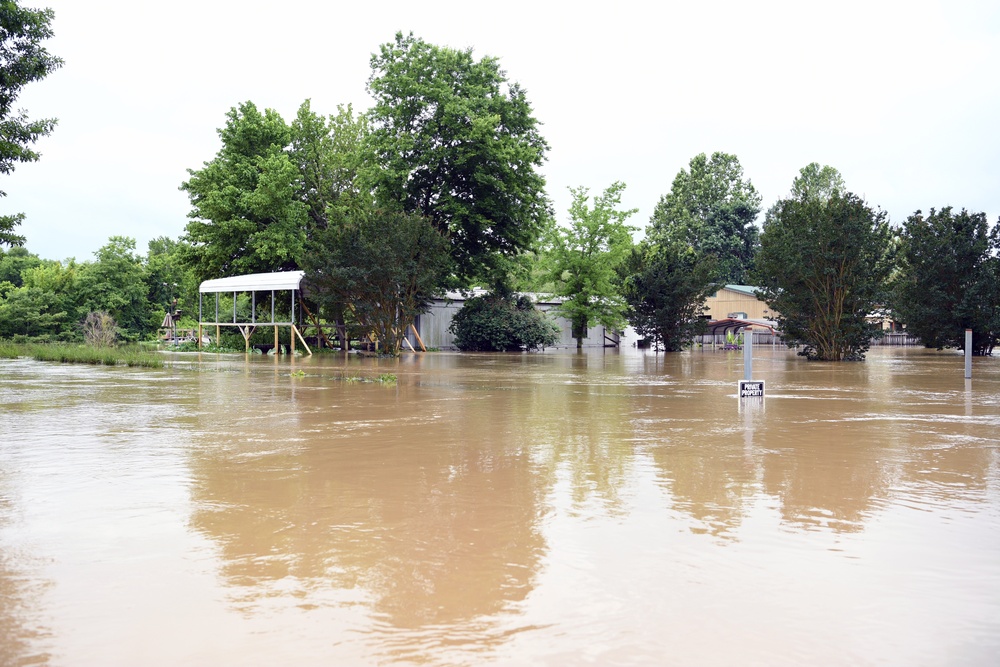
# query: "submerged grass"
82,354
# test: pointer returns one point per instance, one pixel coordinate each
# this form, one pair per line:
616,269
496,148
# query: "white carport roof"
254,282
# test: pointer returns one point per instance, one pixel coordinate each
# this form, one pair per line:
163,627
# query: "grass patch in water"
384,378
130,355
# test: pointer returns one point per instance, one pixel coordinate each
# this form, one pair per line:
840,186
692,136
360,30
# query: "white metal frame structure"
281,281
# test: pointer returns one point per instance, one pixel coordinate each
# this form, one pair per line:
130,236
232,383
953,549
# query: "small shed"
262,287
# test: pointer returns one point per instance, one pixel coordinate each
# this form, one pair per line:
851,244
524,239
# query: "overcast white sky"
902,97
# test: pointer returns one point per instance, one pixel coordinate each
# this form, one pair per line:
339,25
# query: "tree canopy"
665,285
386,266
582,260
22,60
246,216
711,208
456,142
824,266
949,279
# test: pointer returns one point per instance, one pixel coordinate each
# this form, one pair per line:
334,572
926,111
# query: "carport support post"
968,353
748,354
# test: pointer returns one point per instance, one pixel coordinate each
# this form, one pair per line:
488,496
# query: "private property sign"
751,389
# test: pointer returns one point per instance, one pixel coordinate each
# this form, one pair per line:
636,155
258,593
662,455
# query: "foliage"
14,262
99,329
115,283
817,183
712,209
665,285
502,323
246,214
329,154
51,299
456,142
387,266
814,183
583,258
22,60
949,279
824,265
32,312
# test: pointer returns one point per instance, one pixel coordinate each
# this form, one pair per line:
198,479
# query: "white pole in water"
968,353
748,355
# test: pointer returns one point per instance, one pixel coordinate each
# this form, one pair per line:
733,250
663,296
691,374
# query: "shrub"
494,323
100,329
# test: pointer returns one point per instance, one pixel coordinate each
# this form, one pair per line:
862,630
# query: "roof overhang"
254,282
736,324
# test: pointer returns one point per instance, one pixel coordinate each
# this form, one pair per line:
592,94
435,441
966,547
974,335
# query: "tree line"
438,187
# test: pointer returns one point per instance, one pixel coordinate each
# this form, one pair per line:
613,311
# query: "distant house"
737,301
433,325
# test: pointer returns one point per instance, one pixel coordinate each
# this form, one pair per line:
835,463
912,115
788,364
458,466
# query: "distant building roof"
742,289
260,282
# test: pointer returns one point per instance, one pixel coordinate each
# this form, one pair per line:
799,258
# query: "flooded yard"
607,508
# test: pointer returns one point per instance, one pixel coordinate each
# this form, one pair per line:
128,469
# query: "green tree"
712,208
665,286
14,262
949,279
32,312
168,278
814,182
115,283
247,215
329,153
61,281
22,60
387,266
583,260
824,266
456,142
45,306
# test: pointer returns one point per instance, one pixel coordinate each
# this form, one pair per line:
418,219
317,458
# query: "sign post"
748,387
968,353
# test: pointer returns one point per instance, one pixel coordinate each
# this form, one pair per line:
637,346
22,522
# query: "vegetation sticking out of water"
82,354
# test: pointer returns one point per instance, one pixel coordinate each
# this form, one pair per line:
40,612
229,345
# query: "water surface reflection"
614,508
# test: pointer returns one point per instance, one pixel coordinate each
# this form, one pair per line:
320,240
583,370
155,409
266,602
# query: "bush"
100,329
494,323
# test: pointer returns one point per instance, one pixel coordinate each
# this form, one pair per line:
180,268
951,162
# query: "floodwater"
606,508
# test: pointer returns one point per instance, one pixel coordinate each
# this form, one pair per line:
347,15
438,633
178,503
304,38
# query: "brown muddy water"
608,508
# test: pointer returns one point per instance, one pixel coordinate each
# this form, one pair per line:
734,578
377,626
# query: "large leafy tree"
949,279
665,286
329,153
247,213
824,266
22,60
583,259
456,142
712,208
387,266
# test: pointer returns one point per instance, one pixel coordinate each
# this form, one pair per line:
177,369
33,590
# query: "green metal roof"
743,289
